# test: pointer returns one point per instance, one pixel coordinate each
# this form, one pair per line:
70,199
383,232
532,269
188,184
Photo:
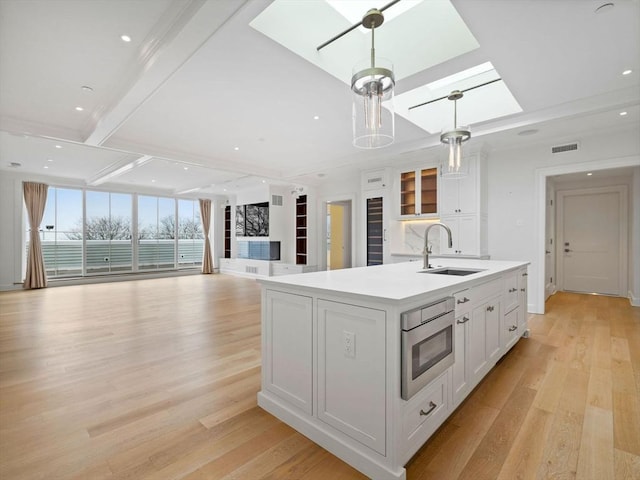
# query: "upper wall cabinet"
419,193
461,195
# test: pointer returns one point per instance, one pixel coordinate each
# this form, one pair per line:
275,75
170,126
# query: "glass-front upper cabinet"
419,192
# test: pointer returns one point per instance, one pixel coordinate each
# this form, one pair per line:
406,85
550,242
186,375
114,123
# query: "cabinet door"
468,190
287,348
468,238
449,195
476,353
352,371
460,367
493,325
454,225
408,193
510,329
428,191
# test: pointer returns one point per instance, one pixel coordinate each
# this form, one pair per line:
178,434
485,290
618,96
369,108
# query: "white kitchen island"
331,353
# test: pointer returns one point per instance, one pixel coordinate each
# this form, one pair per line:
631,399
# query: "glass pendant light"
372,85
453,165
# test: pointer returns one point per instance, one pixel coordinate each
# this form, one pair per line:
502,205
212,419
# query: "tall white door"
592,240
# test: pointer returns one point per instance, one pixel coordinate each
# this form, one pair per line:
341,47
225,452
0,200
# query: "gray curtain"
35,198
205,215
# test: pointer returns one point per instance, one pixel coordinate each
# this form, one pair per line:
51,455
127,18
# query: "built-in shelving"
227,231
375,231
419,192
301,230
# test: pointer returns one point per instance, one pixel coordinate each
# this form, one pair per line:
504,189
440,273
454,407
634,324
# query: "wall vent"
276,200
374,180
249,269
569,147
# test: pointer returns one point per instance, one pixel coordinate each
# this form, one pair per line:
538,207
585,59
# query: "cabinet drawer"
425,412
463,301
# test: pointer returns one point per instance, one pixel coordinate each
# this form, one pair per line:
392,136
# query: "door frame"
322,224
536,276
622,230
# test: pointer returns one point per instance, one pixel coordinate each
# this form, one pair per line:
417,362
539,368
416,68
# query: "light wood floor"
157,379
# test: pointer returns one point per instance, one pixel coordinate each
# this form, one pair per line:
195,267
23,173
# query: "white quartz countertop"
399,281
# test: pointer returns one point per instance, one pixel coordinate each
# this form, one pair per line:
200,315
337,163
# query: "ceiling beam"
172,43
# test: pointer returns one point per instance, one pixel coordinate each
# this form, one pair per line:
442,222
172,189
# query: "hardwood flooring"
157,379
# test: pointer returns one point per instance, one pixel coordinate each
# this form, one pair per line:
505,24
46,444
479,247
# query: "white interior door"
592,240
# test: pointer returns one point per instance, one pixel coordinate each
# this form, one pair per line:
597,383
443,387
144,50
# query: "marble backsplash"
409,238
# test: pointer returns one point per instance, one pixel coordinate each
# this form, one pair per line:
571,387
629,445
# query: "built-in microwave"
427,344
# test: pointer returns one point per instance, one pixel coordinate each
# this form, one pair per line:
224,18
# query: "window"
61,232
108,232
87,232
190,235
156,233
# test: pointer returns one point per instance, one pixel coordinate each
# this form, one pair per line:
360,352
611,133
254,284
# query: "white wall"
514,201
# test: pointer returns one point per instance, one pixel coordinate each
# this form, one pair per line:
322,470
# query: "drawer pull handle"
511,290
432,407
490,308
513,328
523,289
525,274
465,319
464,300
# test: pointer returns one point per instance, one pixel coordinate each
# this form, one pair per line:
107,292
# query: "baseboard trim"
635,301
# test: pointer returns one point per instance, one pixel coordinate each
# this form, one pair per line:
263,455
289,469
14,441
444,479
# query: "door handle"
547,251
566,250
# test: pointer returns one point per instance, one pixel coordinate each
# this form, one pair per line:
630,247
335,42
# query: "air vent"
569,147
249,269
276,200
374,180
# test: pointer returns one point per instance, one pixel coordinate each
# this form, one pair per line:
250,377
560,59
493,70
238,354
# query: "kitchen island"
331,353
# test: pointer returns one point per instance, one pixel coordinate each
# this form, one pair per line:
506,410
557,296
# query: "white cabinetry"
351,371
460,195
514,321
463,208
424,413
477,336
287,348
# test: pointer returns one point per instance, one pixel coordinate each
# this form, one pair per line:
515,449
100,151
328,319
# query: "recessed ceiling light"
316,117
589,174
87,88
185,168
264,181
125,38
46,166
622,114
58,146
153,181
627,72
236,148
224,189
79,109
531,131
49,159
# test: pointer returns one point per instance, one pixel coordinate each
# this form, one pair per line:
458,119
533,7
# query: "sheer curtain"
205,214
35,198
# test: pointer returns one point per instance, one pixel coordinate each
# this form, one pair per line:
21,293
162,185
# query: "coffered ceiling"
210,96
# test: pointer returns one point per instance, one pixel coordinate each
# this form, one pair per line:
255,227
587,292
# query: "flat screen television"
252,220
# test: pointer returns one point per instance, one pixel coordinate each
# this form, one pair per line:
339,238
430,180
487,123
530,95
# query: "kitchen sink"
460,272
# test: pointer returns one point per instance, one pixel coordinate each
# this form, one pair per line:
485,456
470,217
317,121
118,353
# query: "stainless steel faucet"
427,249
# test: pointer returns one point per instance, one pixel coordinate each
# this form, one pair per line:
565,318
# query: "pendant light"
372,84
453,165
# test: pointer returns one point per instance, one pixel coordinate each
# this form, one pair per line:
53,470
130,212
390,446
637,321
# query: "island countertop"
393,282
